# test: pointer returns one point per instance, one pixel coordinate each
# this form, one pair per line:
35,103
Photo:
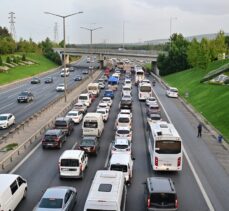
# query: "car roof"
160,184
7,180
7,114
55,192
71,154
123,116
73,111
121,141
123,128
90,137
63,119
52,131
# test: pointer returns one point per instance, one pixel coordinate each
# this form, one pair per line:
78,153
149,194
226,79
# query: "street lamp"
91,30
64,16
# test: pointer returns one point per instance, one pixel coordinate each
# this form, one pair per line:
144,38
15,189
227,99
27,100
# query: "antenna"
12,27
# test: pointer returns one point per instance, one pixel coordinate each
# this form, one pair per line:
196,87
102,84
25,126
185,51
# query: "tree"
204,57
4,32
1,63
193,53
220,45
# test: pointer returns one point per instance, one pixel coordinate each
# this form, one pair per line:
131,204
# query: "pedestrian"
199,127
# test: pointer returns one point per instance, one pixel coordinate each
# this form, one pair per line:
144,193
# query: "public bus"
165,147
144,91
139,75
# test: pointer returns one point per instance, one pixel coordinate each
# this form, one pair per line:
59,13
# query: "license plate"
167,164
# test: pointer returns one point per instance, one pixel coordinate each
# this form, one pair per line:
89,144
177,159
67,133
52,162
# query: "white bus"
165,147
107,193
93,88
139,75
144,91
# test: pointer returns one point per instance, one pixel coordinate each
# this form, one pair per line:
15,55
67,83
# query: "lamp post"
64,17
91,30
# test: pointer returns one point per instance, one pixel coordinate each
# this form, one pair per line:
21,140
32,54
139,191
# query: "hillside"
212,101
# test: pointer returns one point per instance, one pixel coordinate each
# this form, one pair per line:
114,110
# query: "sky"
141,20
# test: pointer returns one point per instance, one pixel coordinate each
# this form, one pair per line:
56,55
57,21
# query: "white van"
108,192
93,88
85,99
126,90
13,189
122,162
172,92
72,164
93,124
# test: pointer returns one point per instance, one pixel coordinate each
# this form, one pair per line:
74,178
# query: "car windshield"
101,112
145,89
60,123
24,94
122,168
50,137
123,132
106,99
121,146
51,203
90,124
124,120
69,162
162,200
126,102
168,147
3,118
108,92
83,97
173,90
87,142
72,114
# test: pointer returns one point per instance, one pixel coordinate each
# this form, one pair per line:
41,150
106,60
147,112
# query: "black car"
125,104
160,194
35,81
53,138
65,124
48,80
25,96
78,78
90,145
85,71
71,69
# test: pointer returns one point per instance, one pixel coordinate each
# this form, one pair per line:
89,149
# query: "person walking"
199,128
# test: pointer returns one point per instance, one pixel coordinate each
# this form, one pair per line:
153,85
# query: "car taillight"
148,202
156,161
179,162
176,203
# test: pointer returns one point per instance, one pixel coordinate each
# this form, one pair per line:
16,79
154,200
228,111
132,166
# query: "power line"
12,26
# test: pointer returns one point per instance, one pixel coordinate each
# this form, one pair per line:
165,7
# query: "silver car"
62,198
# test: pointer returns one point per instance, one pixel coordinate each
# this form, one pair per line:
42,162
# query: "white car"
123,120
6,120
126,111
107,100
85,99
121,145
172,92
60,88
104,112
64,72
126,90
124,132
151,100
128,83
146,81
101,85
75,115
104,105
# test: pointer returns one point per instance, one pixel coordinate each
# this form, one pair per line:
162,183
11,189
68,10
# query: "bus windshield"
168,147
145,89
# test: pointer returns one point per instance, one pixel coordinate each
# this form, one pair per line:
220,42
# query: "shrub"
23,57
8,60
1,61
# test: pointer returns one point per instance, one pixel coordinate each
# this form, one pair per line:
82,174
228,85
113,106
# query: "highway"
43,94
41,169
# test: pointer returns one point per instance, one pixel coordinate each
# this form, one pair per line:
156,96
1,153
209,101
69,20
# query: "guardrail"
15,153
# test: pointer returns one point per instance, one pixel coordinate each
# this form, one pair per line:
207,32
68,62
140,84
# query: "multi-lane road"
197,183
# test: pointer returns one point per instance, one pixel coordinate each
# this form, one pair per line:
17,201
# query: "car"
128,82
48,80
104,78
126,111
65,124
6,120
60,88
101,85
124,132
90,68
172,92
53,138
78,78
75,115
104,105
109,93
125,103
71,69
85,71
64,73
61,198
126,90
123,120
80,107
104,112
152,109
35,81
85,98
107,100
147,81
151,100
121,145
160,194
90,145
153,117
25,96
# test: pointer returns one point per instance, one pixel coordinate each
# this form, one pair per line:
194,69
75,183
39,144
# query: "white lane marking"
201,187
25,158
28,105
7,106
12,96
108,156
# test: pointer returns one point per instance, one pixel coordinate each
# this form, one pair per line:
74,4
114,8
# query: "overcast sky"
144,19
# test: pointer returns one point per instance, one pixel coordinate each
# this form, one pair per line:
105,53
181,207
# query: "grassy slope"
210,100
21,72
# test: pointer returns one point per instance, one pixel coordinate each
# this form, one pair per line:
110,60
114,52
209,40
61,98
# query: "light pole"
91,30
170,25
64,17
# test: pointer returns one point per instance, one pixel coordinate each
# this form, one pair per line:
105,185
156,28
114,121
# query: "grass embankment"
42,64
212,101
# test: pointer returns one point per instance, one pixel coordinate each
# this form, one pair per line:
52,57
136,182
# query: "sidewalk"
47,117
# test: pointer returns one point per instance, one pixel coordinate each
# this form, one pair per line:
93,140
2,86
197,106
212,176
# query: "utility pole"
56,33
12,27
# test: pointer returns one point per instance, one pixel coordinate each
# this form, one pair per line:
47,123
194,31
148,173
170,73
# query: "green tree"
1,63
23,57
204,57
8,60
193,53
4,32
220,45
